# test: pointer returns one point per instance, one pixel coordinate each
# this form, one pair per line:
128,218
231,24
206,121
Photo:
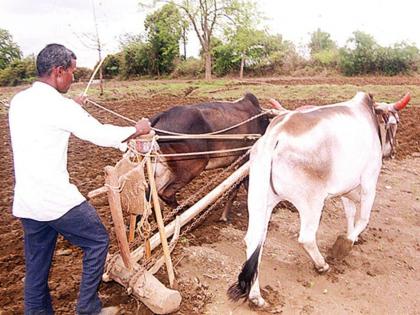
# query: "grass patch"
226,89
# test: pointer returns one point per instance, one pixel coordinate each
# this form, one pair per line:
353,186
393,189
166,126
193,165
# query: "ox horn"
275,104
402,103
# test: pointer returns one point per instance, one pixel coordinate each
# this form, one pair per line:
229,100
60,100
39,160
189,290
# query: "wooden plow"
133,265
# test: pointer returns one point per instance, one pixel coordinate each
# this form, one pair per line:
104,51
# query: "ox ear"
382,108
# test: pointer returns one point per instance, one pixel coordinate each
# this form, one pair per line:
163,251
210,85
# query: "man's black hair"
53,55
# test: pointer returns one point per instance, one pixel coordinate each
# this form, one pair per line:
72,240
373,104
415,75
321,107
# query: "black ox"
174,173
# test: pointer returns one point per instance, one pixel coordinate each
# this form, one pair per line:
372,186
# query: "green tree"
225,59
135,58
277,55
9,50
321,41
164,30
205,17
358,57
244,37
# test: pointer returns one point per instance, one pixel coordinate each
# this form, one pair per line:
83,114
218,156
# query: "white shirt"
41,121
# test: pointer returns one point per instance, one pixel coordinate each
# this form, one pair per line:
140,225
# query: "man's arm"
76,120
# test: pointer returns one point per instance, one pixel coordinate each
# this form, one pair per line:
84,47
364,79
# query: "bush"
111,66
366,56
225,60
191,67
19,72
326,58
82,74
280,62
380,60
135,60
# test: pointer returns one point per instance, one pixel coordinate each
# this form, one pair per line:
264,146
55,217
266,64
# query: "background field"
381,275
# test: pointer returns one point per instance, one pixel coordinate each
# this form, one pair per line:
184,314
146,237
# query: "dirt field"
380,276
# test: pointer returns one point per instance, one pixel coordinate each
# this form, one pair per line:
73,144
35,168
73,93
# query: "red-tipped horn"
403,102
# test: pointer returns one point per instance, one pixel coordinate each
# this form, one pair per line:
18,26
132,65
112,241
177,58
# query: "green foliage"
324,52
226,59
279,56
164,30
135,59
321,41
18,72
111,66
401,58
359,56
244,39
191,67
326,58
365,56
9,50
82,74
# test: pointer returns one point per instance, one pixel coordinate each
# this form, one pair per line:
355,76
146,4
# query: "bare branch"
201,39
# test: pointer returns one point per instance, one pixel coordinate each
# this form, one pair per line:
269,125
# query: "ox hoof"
341,247
257,301
322,269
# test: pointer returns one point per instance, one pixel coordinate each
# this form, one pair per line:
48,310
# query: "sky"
36,23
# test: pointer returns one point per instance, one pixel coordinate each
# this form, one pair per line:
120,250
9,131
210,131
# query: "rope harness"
385,130
183,136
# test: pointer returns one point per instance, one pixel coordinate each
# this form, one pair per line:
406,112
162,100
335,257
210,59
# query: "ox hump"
252,98
301,122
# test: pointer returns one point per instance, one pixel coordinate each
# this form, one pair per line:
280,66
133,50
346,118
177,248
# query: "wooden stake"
159,220
111,181
148,248
132,230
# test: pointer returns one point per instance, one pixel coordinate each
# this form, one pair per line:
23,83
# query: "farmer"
41,120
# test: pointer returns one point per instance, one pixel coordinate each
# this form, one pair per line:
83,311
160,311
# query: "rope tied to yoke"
262,113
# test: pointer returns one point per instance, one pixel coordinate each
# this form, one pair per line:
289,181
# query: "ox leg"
350,210
343,245
310,215
367,197
229,202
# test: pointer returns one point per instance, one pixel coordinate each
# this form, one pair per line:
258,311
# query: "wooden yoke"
111,181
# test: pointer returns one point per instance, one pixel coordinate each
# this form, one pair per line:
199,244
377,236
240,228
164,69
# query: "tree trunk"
184,43
241,71
101,79
207,57
101,82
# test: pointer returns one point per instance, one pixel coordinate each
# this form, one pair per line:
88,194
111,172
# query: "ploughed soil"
380,275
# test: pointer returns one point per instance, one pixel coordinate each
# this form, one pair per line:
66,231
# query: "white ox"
307,156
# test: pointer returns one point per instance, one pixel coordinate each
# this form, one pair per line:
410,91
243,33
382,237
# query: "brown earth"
381,274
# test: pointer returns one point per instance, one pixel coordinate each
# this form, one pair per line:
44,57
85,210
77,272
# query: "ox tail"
258,214
241,288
